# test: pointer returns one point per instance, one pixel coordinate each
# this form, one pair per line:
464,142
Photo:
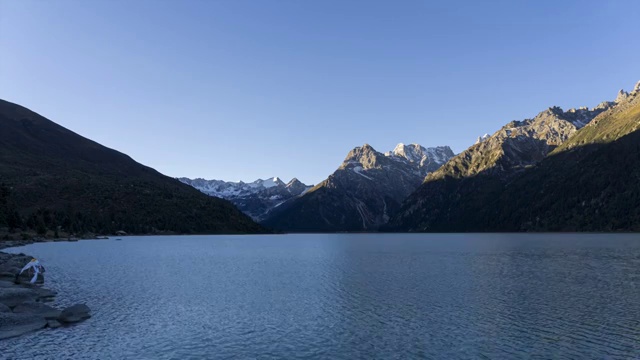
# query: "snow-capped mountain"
424,159
363,192
256,198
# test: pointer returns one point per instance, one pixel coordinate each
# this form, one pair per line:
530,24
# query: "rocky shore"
23,306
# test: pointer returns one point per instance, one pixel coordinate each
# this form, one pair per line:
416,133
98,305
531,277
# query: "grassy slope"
589,183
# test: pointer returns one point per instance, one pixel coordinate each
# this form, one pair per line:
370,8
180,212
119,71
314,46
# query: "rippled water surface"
343,297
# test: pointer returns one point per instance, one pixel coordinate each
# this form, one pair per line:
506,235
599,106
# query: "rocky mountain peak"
604,105
637,87
296,187
519,144
555,110
622,95
363,192
577,117
482,138
421,156
365,155
269,182
293,181
412,152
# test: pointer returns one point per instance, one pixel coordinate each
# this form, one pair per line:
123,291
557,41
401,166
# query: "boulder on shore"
32,307
75,313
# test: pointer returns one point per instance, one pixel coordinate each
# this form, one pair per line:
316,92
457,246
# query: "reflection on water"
344,297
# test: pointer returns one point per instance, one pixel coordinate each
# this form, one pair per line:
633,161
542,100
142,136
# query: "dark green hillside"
56,178
590,182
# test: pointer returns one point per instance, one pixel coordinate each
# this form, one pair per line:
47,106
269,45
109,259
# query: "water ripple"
344,297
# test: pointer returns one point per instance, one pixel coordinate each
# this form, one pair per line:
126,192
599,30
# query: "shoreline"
8,243
23,306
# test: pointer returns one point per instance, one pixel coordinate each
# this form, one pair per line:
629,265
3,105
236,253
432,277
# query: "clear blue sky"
239,90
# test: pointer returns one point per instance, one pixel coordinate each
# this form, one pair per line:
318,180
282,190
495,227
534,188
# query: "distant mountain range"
574,170
54,180
560,171
359,196
365,190
255,199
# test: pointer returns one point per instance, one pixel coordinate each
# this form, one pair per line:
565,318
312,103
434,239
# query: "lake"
387,296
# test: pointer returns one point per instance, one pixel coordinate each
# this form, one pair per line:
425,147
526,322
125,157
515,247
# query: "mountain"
362,193
54,178
539,174
255,199
589,183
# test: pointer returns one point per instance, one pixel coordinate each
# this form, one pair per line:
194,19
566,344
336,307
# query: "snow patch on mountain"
482,138
358,170
432,157
256,198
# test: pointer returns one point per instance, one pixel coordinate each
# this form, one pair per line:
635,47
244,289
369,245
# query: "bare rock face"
363,192
622,96
519,144
453,197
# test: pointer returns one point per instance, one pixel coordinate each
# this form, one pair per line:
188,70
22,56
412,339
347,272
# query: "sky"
240,90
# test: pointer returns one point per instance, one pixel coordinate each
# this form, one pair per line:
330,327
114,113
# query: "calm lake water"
343,297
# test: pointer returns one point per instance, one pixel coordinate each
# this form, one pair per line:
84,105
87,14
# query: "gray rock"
44,294
7,275
10,266
53,324
13,297
25,278
75,313
31,307
40,294
17,324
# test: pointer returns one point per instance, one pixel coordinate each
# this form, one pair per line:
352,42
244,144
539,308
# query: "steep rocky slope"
363,192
